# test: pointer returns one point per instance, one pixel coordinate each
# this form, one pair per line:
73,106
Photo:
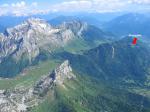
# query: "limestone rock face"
34,34
42,87
64,71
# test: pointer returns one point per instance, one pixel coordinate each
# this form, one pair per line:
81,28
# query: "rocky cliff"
34,34
61,74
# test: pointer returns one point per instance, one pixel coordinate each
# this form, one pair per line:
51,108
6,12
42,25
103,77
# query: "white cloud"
18,9
72,6
145,2
108,6
23,8
19,4
99,5
89,5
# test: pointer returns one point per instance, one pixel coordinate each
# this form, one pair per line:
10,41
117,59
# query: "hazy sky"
30,7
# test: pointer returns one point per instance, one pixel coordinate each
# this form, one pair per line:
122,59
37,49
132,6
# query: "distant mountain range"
90,20
2,29
131,23
117,23
57,18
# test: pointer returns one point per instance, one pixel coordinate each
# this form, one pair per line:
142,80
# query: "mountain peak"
76,26
75,23
37,22
64,71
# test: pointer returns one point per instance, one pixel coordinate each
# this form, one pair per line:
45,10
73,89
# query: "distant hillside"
2,29
116,62
131,23
89,19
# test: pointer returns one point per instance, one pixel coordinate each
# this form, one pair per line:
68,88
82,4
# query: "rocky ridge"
22,100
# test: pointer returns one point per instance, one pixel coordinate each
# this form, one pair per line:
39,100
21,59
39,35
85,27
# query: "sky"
33,7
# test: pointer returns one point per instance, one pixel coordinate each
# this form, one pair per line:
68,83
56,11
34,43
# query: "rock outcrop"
64,71
57,77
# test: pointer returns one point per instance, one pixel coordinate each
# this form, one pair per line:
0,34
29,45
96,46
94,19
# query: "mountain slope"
119,67
64,89
122,60
118,62
85,96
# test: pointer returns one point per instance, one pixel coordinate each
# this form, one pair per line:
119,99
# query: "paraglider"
135,38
